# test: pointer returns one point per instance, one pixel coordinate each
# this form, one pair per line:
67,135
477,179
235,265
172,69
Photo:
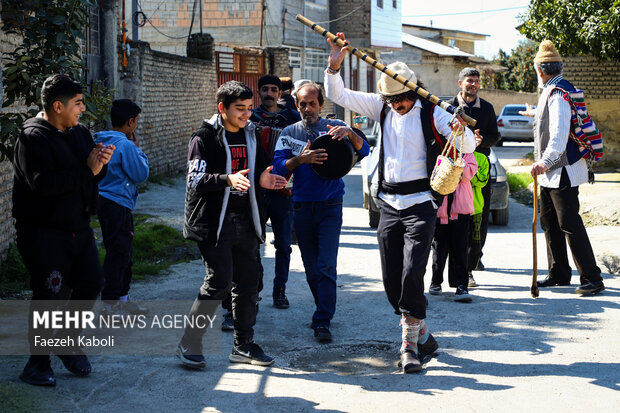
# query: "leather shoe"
429,348
322,334
409,362
550,282
38,371
77,363
591,288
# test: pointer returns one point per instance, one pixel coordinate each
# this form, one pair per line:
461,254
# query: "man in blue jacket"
117,198
317,202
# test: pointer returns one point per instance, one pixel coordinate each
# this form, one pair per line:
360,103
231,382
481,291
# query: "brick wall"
176,94
277,62
600,82
356,26
227,21
7,227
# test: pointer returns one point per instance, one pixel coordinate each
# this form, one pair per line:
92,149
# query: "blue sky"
497,18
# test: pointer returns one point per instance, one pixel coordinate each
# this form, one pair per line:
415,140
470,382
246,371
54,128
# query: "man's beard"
310,120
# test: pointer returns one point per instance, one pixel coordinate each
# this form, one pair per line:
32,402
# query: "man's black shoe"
77,362
322,334
429,348
227,321
38,372
550,282
591,288
191,356
409,362
250,353
279,298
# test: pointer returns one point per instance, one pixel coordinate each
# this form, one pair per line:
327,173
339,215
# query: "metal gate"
246,68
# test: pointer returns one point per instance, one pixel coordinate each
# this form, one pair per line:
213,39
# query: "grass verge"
156,247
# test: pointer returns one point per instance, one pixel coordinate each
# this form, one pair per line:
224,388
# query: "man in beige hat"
409,145
560,170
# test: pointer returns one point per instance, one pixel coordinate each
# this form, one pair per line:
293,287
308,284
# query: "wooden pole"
413,86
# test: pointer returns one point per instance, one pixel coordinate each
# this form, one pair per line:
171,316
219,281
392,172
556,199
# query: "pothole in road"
345,359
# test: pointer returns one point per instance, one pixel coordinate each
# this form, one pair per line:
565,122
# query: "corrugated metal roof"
432,47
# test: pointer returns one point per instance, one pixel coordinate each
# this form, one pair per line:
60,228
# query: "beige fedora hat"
390,87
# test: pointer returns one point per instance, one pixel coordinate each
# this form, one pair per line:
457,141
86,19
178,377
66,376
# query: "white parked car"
514,127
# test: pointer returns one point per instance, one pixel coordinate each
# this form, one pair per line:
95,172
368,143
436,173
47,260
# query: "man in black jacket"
486,137
225,164
57,167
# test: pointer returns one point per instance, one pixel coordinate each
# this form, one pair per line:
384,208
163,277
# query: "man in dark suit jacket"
486,137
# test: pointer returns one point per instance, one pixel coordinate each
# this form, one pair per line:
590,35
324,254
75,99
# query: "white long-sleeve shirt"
559,130
404,147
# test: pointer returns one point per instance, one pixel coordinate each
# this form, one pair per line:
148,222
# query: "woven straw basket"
447,172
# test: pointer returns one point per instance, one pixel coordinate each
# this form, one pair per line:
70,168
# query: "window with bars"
91,46
316,61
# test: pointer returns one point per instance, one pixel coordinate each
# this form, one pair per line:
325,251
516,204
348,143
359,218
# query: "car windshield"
513,110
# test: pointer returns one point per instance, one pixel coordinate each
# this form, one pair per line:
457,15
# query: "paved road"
503,352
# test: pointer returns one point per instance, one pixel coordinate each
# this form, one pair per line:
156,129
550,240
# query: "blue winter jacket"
128,167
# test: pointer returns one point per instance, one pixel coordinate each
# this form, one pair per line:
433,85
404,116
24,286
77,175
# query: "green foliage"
519,181
520,75
155,247
14,276
575,28
52,32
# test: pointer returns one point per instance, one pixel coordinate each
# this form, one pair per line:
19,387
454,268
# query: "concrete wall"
499,98
600,82
176,93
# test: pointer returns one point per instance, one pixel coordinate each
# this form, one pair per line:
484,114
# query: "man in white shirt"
409,145
560,170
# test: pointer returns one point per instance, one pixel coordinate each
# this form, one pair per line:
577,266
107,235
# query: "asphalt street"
503,352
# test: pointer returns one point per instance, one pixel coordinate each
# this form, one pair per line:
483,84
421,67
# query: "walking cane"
534,287
413,86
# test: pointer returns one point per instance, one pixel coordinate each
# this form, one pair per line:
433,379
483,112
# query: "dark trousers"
404,244
117,229
560,220
318,226
231,266
65,274
475,250
279,209
450,242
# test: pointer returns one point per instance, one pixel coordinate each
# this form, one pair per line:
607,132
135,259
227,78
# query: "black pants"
65,274
231,263
560,220
404,244
451,241
475,248
117,230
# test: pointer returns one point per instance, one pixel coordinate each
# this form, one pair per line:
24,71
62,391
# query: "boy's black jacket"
53,186
204,198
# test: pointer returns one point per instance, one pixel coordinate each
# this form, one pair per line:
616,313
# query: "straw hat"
547,53
390,87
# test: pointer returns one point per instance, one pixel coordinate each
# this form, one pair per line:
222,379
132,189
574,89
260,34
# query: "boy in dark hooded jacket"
57,168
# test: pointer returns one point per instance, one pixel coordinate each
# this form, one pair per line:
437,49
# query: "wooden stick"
534,287
413,86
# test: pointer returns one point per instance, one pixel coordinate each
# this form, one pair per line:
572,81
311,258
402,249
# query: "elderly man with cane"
409,146
560,170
